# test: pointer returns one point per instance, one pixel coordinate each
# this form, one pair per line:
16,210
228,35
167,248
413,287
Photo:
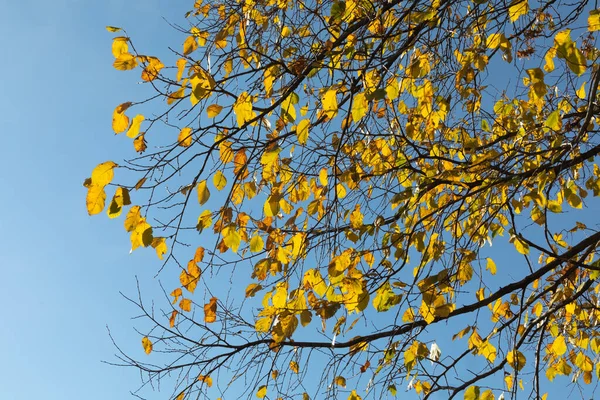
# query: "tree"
327,179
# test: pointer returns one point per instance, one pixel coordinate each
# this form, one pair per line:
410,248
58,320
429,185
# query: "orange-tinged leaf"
185,137
203,192
147,345
219,180
125,62
205,379
252,289
173,318
152,69
210,311
95,199
139,144
213,110
340,381
185,305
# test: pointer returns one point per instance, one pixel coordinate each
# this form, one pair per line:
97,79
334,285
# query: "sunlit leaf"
147,345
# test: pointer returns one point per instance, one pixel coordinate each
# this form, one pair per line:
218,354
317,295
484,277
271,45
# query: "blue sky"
60,270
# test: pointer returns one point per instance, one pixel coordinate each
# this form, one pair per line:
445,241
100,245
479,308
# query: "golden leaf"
203,192
125,62
213,110
147,345
185,137
210,311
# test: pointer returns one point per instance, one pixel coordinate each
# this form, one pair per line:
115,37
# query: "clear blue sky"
61,271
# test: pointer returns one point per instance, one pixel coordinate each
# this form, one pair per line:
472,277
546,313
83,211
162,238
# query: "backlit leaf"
213,110
185,137
125,62
302,131
210,311
219,180
203,192
147,345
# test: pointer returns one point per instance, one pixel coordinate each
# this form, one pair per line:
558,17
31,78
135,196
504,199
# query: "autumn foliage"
361,198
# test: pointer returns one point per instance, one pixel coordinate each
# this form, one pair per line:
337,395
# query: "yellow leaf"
288,111
340,191
354,396
294,367
147,345
141,235
554,121
559,347
581,91
119,46
120,121
472,393
152,69
180,68
516,359
160,245
340,381
256,244
219,180
521,247
270,156
210,311
204,220
185,137
302,131
203,192
133,218
252,289
205,379
213,110
518,8
95,199
113,29
190,45
103,174
120,199
262,392
330,104
202,85
360,106
491,266
323,176
185,305
243,109
139,144
487,395
134,129
125,62
231,238
594,21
